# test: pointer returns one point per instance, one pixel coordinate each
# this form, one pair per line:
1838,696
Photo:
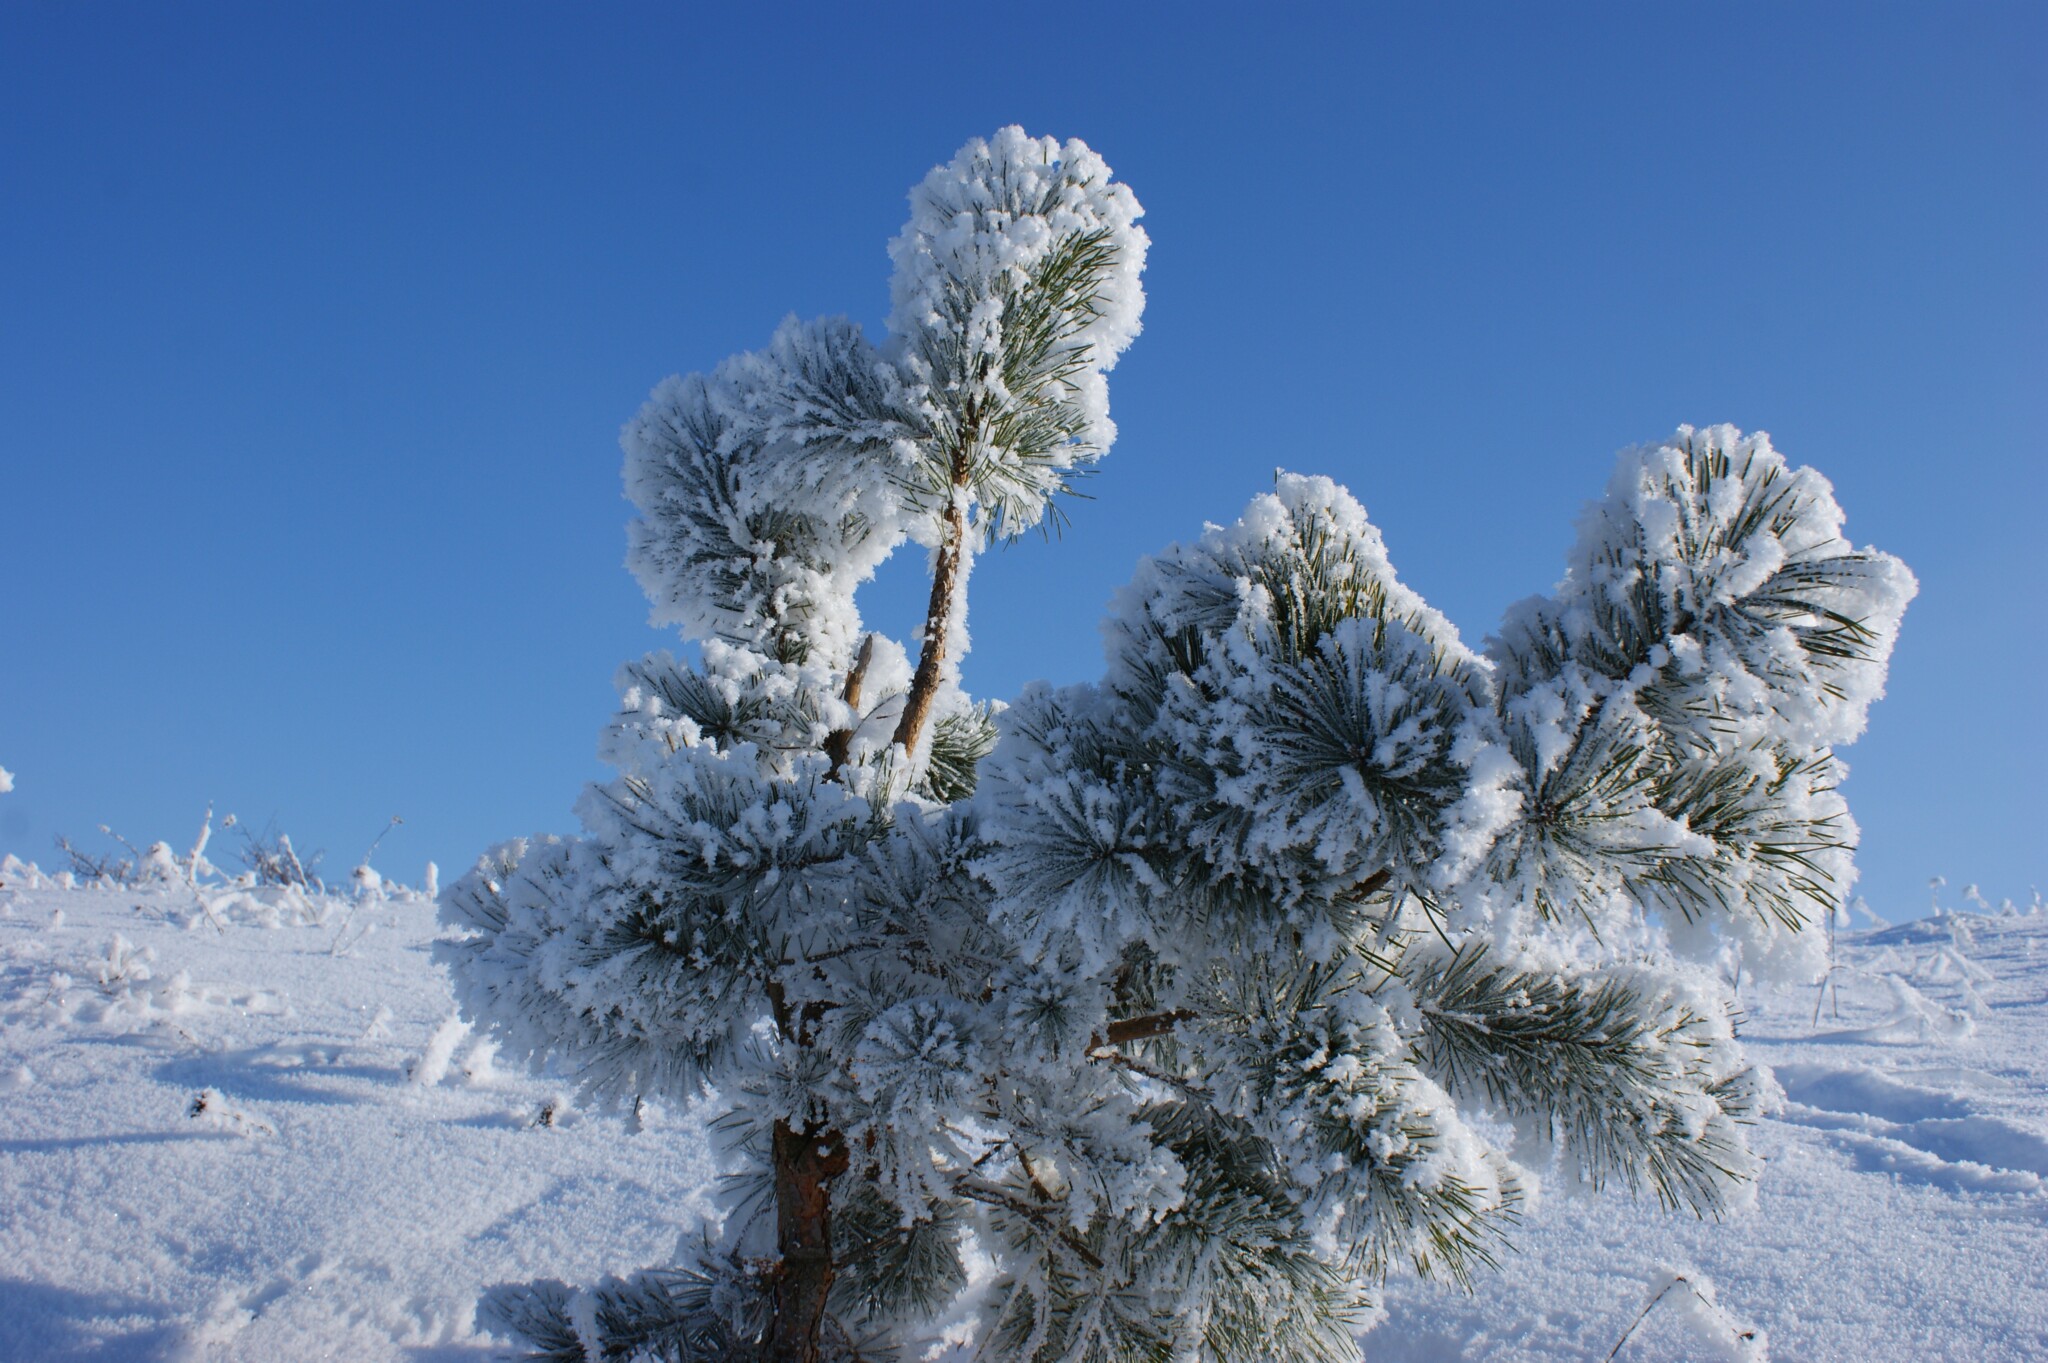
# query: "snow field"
1901,1215
356,1172
360,1169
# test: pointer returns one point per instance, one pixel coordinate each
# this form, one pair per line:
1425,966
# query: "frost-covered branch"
1634,1076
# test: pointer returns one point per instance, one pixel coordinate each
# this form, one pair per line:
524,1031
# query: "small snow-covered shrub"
1712,1334
1149,1019
277,890
96,868
271,859
124,964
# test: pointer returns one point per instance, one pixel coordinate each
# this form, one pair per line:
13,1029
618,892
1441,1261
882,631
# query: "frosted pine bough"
1159,1018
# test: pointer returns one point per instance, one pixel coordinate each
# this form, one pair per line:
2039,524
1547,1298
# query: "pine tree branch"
1146,1026
839,744
1370,886
1126,1030
1626,1080
991,1195
1186,1088
938,614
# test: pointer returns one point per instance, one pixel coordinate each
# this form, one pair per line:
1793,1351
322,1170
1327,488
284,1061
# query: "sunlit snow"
239,1124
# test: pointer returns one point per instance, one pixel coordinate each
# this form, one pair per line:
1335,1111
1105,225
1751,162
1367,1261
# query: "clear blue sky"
318,323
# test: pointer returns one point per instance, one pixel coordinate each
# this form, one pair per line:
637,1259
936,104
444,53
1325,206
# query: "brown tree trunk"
938,617
806,1162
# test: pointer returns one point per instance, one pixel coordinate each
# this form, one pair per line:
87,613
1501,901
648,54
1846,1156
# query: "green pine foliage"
1161,1018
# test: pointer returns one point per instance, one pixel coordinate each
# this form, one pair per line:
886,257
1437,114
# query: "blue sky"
318,324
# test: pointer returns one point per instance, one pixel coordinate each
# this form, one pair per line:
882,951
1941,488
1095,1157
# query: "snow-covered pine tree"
1147,1020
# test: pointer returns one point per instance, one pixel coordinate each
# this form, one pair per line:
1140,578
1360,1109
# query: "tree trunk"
806,1162
938,618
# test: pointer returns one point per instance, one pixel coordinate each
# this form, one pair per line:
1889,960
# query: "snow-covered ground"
247,1129
1904,1211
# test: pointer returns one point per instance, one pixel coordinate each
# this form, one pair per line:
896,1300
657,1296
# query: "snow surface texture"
239,1143
269,1140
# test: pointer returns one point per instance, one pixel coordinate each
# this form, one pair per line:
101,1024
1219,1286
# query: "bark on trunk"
938,619
806,1162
